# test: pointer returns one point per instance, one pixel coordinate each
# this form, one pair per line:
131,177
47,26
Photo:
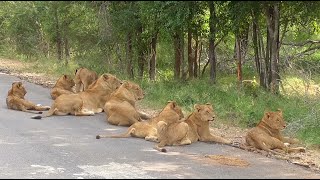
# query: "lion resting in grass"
121,109
63,86
194,128
147,129
267,136
84,78
15,100
85,103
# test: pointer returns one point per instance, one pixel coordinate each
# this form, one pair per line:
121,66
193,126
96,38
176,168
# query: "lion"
85,103
194,128
147,129
63,86
15,100
267,136
84,78
121,109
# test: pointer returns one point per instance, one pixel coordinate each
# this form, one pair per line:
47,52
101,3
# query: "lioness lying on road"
267,136
194,128
15,100
84,78
121,109
147,129
85,103
63,86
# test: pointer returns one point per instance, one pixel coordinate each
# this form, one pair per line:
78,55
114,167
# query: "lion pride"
147,129
87,102
63,86
121,108
267,134
194,128
84,78
15,100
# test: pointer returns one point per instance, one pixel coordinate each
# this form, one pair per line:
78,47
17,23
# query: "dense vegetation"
243,57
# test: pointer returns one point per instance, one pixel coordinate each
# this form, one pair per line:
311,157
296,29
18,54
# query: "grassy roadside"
234,107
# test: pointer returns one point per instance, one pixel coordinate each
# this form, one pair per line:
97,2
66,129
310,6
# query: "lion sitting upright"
63,86
267,136
15,100
194,128
84,78
85,103
147,129
121,109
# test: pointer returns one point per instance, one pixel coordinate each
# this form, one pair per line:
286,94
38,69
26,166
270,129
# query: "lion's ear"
209,105
126,84
65,76
105,77
280,111
197,107
267,114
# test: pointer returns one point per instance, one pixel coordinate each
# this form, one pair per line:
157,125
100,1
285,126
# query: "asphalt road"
65,147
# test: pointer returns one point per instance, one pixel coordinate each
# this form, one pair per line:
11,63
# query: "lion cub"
84,78
267,136
63,86
147,129
15,100
194,128
120,109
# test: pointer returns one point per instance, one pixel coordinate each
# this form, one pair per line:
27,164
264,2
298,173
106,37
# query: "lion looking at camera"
267,136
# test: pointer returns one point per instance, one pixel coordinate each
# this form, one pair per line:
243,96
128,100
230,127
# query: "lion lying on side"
63,86
121,109
194,128
15,100
85,103
267,136
84,78
147,129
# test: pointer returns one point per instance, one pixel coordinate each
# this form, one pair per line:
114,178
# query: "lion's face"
107,81
274,120
205,111
67,81
136,90
18,89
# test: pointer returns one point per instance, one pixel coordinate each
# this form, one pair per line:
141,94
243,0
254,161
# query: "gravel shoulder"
310,159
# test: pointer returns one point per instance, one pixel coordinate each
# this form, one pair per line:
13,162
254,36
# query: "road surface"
65,147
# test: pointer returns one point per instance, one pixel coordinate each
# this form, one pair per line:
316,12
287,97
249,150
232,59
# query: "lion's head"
65,81
17,89
172,105
204,112
274,120
106,81
135,89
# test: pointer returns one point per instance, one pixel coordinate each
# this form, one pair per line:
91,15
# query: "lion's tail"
160,149
49,113
124,135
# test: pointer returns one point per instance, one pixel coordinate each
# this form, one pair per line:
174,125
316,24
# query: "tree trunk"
66,50
58,34
152,71
129,56
195,59
177,50
140,47
256,48
239,59
212,37
273,16
190,58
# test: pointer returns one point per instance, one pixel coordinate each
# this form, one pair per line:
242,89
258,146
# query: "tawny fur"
15,100
63,85
84,78
85,103
267,134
